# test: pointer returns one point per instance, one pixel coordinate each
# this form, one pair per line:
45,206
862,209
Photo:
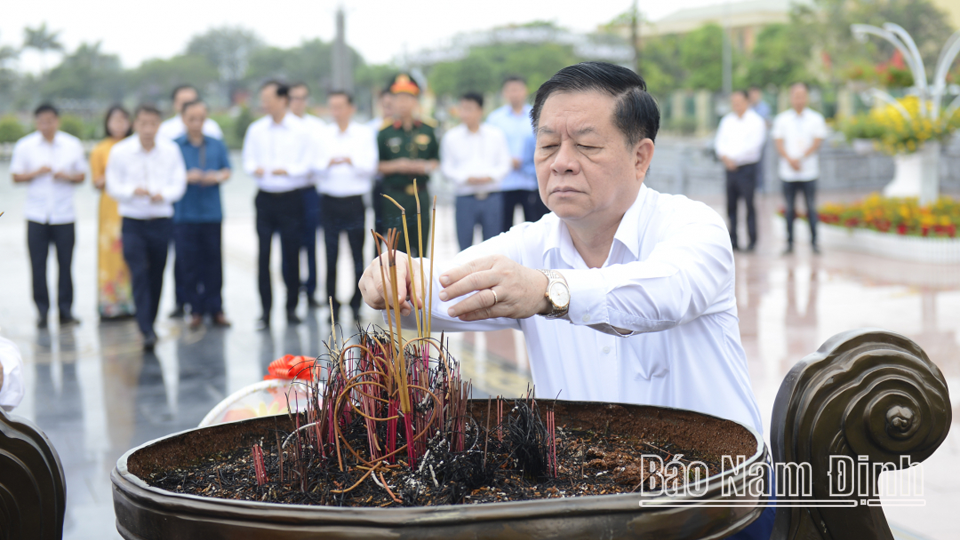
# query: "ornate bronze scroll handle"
868,400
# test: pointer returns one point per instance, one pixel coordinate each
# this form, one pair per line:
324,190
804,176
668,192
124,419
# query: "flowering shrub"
895,134
899,216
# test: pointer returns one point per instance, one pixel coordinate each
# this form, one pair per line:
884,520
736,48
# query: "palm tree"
7,53
43,40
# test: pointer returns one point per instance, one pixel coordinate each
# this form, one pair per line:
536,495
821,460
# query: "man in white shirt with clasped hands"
280,153
476,158
51,164
146,175
798,133
739,145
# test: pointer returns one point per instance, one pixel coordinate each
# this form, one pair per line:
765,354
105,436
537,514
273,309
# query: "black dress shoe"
816,250
789,250
42,323
149,342
312,303
292,318
751,248
263,323
68,320
177,313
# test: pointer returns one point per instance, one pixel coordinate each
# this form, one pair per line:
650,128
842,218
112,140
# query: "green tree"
43,40
154,79
229,50
660,66
310,62
11,130
701,57
87,73
780,57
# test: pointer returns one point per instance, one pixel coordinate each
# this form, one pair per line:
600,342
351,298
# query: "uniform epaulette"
386,123
429,121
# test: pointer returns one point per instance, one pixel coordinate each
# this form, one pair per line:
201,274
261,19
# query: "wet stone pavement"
96,394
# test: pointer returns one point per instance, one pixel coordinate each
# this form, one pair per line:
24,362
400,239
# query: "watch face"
559,295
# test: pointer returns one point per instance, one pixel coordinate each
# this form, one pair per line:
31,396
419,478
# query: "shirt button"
586,317
606,350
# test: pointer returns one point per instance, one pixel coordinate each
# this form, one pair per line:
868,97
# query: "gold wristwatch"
558,294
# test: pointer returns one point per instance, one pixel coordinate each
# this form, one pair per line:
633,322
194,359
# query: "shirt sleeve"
79,163
683,277
249,154
821,131
174,189
449,165
118,185
19,162
224,155
306,158
11,393
720,145
213,129
364,156
503,161
433,149
778,130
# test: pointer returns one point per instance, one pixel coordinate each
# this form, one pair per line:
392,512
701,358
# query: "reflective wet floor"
96,394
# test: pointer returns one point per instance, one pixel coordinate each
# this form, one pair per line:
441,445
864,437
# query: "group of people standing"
160,185
797,135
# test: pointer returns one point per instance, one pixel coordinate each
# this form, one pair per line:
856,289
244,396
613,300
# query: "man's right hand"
375,291
258,172
41,171
517,163
141,192
194,176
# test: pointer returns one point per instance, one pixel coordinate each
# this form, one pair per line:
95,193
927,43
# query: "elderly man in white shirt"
348,164
299,101
798,134
623,294
11,375
476,158
146,175
51,163
280,153
174,128
739,145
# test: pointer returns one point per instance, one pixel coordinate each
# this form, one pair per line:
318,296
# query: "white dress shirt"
174,127
741,138
289,145
355,178
49,200
668,280
161,170
464,154
11,393
798,132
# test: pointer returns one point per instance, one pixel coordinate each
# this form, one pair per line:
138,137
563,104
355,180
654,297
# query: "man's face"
470,112
515,93
48,124
299,96
404,104
799,97
755,96
738,103
585,171
146,125
183,96
340,108
271,103
193,118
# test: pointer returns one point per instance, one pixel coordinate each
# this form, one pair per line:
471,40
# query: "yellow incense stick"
433,238
413,280
383,279
423,307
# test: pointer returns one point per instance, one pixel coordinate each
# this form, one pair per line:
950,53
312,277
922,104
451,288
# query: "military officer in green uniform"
408,151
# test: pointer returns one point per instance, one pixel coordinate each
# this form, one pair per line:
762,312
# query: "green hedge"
11,130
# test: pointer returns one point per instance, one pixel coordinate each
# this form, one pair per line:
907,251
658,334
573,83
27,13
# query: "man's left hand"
520,291
157,198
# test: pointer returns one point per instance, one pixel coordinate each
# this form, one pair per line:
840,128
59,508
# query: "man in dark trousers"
739,146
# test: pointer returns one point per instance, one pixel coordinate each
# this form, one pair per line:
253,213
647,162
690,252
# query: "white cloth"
318,130
355,178
174,128
49,200
669,280
798,132
741,138
289,145
161,170
11,393
464,154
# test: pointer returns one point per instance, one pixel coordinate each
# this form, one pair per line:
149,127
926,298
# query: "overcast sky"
378,29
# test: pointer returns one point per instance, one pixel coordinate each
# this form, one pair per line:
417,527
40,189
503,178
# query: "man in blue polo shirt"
198,217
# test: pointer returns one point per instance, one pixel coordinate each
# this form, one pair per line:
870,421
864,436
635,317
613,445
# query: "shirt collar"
628,234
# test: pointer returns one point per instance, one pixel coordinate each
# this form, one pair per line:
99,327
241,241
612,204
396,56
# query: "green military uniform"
419,142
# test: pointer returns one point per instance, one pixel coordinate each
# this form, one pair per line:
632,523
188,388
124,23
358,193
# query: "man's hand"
520,291
375,291
516,163
194,176
141,192
259,172
156,197
795,164
479,180
279,172
41,171
728,163
100,182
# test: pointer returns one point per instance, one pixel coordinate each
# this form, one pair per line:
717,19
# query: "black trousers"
533,207
311,221
200,256
809,189
145,246
39,238
742,184
280,213
343,214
